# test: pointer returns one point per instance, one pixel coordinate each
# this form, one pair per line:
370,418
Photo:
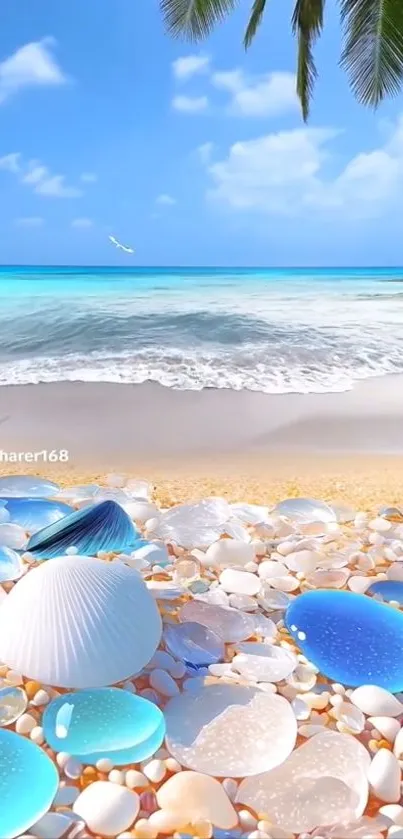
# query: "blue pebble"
27,485
388,590
104,722
194,644
28,784
350,638
33,514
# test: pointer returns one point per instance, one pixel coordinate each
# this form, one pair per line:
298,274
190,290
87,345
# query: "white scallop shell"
79,622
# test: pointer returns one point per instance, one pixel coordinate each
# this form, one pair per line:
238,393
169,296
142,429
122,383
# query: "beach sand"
241,445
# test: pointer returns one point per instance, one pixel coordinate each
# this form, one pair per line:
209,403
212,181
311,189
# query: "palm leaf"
307,24
194,19
254,22
373,48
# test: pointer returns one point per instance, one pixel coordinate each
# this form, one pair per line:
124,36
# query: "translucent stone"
186,570
323,782
343,512
194,644
264,662
349,637
230,731
387,590
301,510
78,492
250,513
33,514
13,703
100,527
28,486
13,536
138,489
10,565
28,783
323,578
194,525
263,626
239,582
104,723
271,600
229,552
228,624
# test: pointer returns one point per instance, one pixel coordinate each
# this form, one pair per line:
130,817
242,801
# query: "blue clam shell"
27,485
104,722
28,784
100,527
34,514
350,638
387,590
10,565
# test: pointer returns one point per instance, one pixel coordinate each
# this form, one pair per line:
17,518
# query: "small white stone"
172,765
194,796
106,808
41,698
229,552
239,582
166,821
388,727
116,776
270,568
376,701
162,682
104,764
25,724
398,747
135,779
246,820
37,735
144,830
155,770
394,812
384,776
231,787
62,758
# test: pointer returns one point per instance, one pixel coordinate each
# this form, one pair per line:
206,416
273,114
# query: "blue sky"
194,155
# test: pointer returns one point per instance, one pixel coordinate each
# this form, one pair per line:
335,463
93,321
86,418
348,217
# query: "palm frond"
373,48
254,22
194,19
307,24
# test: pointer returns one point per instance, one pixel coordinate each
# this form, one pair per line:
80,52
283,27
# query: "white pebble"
135,779
376,701
116,776
104,764
37,735
172,765
239,582
398,747
144,830
62,758
246,820
41,698
384,776
162,682
388,727
230,787
155,770
165,821
394,812
106,808
25,724
73,768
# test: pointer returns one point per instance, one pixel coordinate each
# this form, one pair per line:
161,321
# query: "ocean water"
275,330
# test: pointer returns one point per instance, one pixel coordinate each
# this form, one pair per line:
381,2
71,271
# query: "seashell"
376,701
33,514
10,565
22,486
100,527
28,783
79,622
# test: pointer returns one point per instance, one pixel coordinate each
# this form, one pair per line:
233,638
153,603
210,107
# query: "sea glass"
33,514
100,527
322,782
351,638
13,702
28,783
229,624
264,662
304,510
104,722
387,590
10,565
229,731
27,485
194,644
194,525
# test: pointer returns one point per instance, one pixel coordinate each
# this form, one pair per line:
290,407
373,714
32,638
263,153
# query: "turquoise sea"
271,330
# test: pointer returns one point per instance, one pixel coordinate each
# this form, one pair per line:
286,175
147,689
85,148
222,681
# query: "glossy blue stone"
10,565
28,784
387,590
350,638
34,514
27,485
104,722
194,644
99,527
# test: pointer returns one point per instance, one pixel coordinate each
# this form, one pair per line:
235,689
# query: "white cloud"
32,65
168,200
89,177
259,96
205,151
285,174
82,223
190,104
11,163
39,177
188,66
29,221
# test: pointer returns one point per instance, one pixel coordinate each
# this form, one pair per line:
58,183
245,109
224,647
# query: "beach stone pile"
210,670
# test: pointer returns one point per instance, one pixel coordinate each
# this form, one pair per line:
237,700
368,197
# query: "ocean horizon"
274,330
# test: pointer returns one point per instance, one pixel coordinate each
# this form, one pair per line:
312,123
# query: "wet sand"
242,445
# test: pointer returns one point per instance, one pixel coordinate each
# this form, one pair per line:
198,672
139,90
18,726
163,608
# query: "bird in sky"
119,246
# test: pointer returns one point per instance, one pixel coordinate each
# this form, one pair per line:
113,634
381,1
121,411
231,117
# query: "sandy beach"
237,444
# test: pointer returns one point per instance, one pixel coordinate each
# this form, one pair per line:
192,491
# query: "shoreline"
242,445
